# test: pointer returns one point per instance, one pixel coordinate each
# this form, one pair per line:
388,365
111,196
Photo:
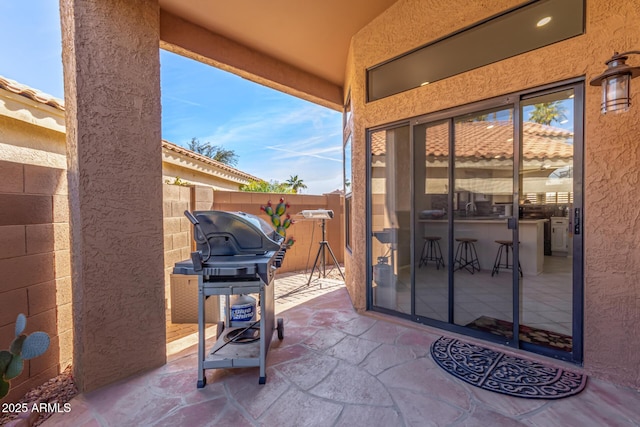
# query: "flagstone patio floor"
336,367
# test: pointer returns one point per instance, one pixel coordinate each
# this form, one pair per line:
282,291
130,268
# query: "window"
512,33
347,175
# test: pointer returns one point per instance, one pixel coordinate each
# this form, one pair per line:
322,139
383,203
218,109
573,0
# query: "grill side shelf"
186,267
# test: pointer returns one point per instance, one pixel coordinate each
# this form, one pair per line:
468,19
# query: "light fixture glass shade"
615,94
616,83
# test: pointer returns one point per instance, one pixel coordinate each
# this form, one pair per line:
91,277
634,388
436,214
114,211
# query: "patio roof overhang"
253,40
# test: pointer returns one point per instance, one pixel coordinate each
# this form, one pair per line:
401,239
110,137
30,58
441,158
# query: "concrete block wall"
35,274
177,228
307,233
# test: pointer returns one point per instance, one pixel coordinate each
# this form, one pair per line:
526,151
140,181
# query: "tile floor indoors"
336,367
546,298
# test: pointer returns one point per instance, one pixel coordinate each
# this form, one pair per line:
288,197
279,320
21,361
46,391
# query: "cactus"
281,224
23,347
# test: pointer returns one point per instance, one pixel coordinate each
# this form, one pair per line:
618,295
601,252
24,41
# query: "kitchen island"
487,231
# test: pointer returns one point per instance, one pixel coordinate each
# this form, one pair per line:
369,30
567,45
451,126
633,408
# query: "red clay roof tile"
491,140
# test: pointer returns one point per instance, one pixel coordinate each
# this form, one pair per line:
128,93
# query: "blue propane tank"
243,308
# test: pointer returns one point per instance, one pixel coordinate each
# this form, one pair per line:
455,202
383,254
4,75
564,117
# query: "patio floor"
336,367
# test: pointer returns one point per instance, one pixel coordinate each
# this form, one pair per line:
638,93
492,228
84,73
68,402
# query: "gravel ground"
58,390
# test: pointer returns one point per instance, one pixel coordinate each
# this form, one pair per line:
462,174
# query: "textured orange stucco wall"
612,302
112,98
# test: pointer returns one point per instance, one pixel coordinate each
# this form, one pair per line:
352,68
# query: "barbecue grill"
236,254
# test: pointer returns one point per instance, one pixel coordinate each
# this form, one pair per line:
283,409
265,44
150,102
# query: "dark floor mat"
495,371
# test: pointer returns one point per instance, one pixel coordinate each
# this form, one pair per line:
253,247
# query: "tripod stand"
322,268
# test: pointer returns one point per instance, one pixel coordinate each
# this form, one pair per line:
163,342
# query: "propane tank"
243,308
382,272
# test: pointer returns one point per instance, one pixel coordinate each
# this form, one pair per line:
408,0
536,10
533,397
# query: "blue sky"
274,135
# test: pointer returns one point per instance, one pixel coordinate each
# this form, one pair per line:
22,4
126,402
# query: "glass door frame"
450,115
369,222
512,100
577,219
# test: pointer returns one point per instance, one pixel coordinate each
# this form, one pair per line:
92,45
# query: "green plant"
296,184
547,112
262,186
23,347
177,181
279,220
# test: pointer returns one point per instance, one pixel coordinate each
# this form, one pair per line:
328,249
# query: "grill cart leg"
202,380
264,334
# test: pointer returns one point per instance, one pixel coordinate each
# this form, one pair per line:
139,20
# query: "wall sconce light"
616,81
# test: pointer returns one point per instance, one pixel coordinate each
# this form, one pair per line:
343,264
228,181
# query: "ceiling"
312,35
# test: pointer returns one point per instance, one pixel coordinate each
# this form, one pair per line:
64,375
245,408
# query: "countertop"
485,219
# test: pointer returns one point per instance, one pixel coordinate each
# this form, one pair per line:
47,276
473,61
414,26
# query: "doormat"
495,371
537,336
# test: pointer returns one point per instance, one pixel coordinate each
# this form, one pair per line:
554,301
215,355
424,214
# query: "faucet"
470,208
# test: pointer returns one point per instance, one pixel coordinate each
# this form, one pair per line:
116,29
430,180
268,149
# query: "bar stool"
431,252
466,255
505,246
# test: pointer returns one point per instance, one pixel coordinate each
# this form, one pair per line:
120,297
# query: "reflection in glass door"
390,211
482,204
481,232
547,194
431,207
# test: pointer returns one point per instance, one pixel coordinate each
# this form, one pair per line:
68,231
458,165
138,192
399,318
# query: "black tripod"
322,268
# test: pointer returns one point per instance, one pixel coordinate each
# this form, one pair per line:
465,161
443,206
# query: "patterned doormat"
499,372
541,337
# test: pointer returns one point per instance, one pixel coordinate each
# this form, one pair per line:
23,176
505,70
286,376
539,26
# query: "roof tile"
491,140
33,94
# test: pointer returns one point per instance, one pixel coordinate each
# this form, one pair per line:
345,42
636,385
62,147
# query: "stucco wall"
35,276
114,154
193,175
612,306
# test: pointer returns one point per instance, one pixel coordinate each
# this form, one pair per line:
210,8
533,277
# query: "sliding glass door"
482,204
431,213
390,206
480,232
550,187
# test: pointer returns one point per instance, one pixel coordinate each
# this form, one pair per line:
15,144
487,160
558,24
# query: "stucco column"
112,97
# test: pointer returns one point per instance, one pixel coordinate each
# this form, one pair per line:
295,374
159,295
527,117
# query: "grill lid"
234,233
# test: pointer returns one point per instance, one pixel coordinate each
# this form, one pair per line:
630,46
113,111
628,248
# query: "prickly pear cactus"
23,347
280,219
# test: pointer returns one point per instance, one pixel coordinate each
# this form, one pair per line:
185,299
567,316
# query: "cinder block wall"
307,233
35,277
177,228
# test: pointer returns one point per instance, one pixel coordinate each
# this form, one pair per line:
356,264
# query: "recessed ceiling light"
510,140
424,83
544,21
571,96
490,127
